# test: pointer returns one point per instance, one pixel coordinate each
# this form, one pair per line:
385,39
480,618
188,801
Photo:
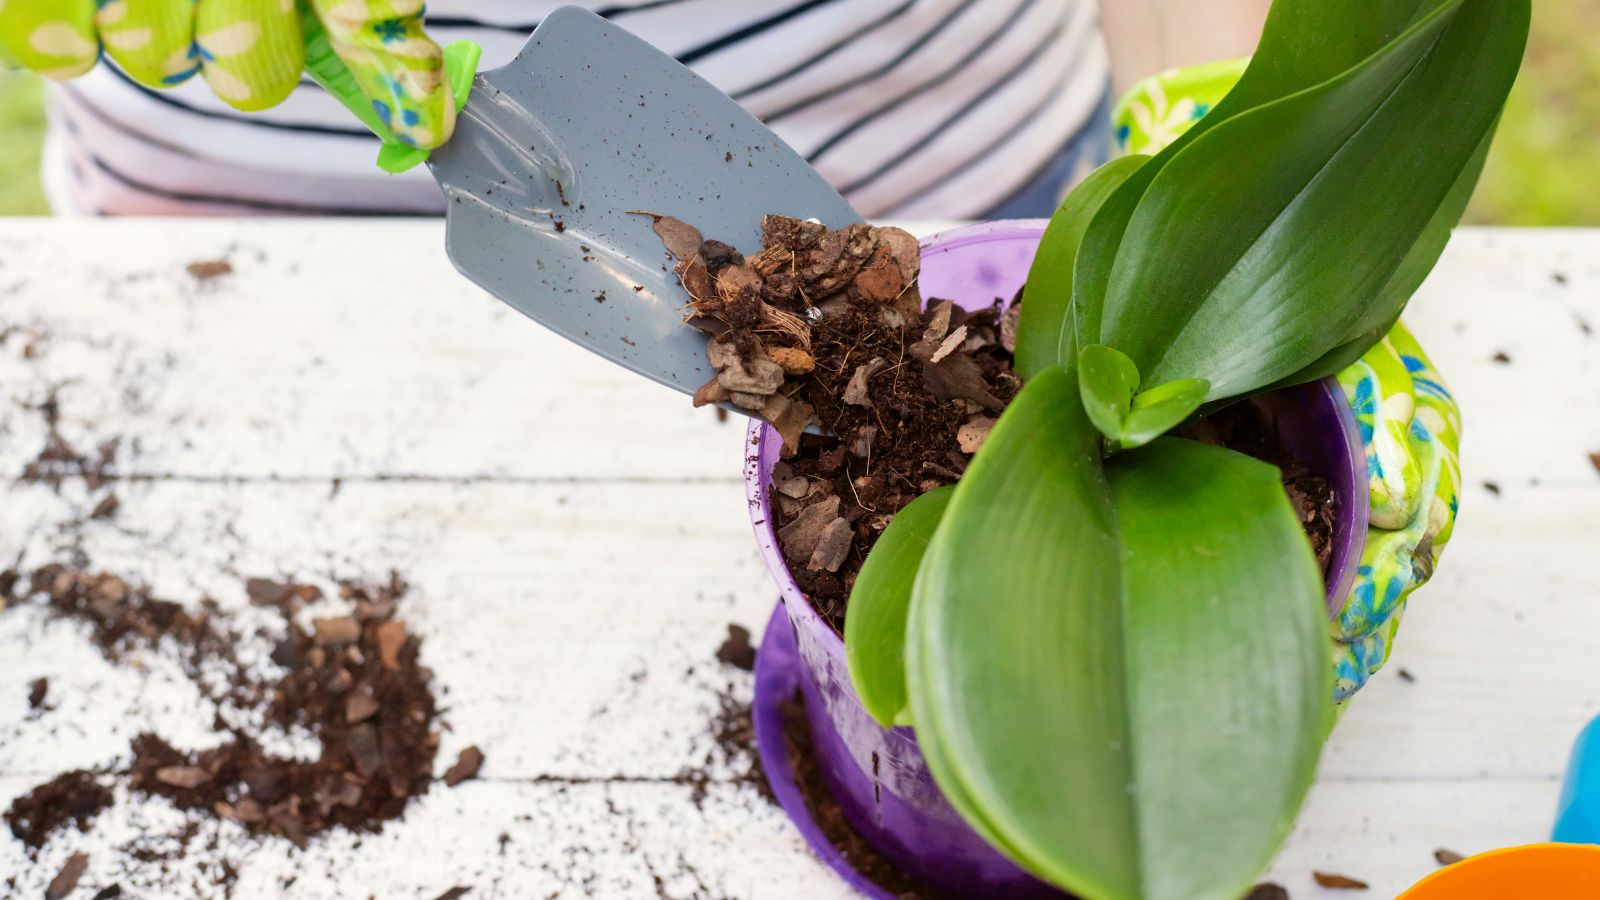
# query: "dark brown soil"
861,856
72,797
737,650
827,328
59,460
1248,428
881,457
352,681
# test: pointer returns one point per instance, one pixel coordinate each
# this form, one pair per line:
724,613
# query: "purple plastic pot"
877,775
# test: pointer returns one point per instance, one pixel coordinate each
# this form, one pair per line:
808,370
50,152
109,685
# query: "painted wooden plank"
617,839
503,839
346,350
573,626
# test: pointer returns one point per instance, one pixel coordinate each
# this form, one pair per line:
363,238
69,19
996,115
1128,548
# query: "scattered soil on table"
59,460
1447,857
1267,891
860,854
352,681
74,797
1338,882
1594,460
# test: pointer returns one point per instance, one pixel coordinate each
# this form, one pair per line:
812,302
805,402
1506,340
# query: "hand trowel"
555,154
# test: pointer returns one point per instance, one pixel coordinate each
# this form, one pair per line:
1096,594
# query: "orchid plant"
1113,644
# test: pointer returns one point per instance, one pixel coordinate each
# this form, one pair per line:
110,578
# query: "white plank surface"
576,539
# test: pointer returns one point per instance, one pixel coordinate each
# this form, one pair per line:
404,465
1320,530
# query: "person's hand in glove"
250,52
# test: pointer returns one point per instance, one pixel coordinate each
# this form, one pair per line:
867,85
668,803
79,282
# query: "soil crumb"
1338,882
1447,857
67,880
737,651
207,269
74,797
1267,891
37,692
466,767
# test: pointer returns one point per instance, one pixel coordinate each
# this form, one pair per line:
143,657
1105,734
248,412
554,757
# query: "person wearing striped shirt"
975,109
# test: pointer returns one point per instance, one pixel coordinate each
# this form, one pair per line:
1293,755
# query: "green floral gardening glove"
1408,420
251,52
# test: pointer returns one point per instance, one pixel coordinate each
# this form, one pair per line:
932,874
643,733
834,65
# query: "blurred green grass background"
1544,168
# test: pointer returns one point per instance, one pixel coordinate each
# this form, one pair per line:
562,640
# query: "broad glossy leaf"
875,629
1227,677
1014,657
1416,265
1044,329
1343,33
1107,381
1161,409
1413,270
1266,241
1080,699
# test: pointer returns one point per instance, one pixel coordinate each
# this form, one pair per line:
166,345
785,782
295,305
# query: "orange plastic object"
1534,871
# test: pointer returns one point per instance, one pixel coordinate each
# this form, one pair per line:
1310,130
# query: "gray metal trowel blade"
554,149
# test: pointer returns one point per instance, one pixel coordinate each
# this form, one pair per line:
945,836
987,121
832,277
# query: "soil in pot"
828,328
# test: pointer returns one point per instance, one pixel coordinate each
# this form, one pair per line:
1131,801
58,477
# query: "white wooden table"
344,404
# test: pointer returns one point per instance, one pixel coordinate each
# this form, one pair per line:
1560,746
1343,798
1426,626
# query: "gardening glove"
1412,430
250,52
1409,423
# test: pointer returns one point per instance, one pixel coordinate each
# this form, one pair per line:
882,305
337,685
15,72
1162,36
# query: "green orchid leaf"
1074,647
875,628
1013,656
1343,34
1216,569
1107,380
1044,332
1161,409
1419,261
1266,242
1413,270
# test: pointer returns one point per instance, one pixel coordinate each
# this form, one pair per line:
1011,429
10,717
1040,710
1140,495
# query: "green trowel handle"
328,70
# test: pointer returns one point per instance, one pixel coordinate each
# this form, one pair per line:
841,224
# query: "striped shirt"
932,108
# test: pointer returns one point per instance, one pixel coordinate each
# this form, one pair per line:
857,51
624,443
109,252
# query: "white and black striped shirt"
938,108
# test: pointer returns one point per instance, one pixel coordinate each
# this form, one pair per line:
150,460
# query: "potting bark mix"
827,329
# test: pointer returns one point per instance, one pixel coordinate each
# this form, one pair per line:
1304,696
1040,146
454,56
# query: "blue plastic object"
1578,815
